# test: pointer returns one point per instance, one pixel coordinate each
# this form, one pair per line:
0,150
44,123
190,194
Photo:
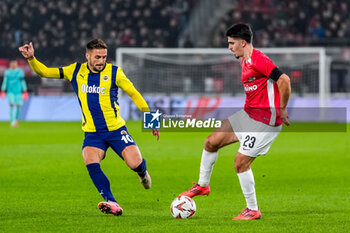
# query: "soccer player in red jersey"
256,126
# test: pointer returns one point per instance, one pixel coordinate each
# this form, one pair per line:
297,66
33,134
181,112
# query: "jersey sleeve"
42,70
124,83
264,65
23,81
21,74
67,71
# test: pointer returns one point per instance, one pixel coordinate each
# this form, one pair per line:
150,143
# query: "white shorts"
255,137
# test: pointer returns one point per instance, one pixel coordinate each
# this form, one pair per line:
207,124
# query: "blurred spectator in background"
52,25
181,11
158,23
291,23
60,29
16,90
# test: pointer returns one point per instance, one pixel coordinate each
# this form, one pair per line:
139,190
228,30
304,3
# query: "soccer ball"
183,207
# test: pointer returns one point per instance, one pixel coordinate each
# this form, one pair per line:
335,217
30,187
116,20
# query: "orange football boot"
196,190
248,214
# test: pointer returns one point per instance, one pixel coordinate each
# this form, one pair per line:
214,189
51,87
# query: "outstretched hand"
155,132
27,51
284,116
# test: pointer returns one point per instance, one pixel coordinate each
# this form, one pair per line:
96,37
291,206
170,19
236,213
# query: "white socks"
207,163
246,179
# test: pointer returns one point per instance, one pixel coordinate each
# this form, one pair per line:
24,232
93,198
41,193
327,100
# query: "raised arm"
39,68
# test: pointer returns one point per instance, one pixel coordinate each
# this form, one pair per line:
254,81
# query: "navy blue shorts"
117,140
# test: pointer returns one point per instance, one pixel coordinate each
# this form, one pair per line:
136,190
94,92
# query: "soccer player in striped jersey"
96,84
256,126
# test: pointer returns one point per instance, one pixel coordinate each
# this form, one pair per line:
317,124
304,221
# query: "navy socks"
141,169
101,181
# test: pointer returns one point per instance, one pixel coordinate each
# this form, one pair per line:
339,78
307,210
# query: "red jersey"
262,95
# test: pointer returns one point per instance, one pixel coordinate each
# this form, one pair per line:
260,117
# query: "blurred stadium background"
175,52
60,29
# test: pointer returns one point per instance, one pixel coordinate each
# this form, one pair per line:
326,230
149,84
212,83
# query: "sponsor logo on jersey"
251,79
123,132
92,89
250,88
105,78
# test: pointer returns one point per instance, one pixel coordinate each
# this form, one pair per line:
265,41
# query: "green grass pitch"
303,184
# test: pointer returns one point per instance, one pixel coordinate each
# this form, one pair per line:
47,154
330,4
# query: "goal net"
216,72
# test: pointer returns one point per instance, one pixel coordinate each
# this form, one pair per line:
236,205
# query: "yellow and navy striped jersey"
97,93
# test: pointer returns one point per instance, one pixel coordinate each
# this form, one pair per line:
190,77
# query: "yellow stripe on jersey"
81,78
98,95
68,71
108,101
93,94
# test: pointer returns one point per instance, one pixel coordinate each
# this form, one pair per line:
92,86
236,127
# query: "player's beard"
97,70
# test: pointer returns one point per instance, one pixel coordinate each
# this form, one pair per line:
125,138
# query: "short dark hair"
96,44
242,31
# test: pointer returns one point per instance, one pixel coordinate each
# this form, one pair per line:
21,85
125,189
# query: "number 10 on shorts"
127,138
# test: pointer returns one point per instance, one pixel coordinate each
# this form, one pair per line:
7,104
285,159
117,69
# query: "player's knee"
92,156
211,145
134,163
89,160
240,166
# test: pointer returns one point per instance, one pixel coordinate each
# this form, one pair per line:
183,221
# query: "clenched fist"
27,51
